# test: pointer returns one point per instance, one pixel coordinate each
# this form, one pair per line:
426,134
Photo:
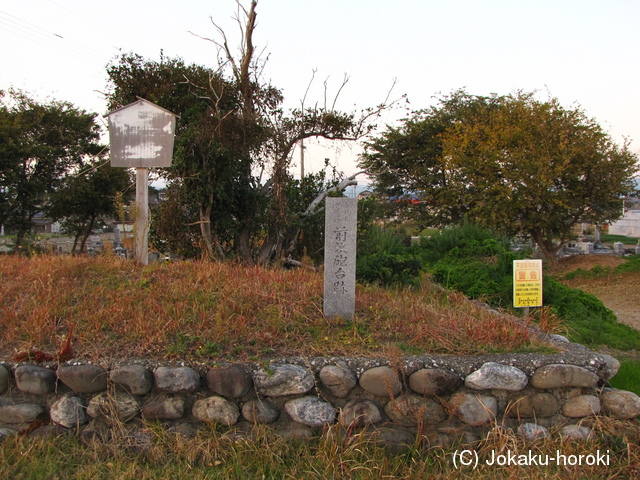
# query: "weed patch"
631,265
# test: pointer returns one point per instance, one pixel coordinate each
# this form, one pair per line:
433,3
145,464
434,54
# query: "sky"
583,52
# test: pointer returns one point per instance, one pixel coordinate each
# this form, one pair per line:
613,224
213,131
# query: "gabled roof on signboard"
142,100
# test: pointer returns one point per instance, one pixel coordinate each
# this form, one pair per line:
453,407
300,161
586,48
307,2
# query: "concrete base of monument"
439,399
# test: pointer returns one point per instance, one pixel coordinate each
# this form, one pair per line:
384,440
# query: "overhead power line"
27,30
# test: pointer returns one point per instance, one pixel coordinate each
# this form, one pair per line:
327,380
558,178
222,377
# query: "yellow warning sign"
527,283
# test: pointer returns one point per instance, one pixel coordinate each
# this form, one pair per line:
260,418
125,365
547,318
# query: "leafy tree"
407,160
205,172
535,168
219,148
512,163
39,144
304,236
87,196
173,228
232,130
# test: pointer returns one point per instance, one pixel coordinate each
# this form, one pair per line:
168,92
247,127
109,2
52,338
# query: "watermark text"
470,458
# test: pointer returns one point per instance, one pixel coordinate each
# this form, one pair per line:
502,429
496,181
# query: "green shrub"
589,321
388,269
628,377
631,265
383,259
464,238
472,260
473,277
378,241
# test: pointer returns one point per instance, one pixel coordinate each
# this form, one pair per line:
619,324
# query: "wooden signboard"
141,136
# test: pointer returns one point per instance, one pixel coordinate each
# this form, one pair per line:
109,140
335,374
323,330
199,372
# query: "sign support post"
141,244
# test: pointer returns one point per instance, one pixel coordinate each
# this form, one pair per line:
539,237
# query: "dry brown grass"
227,311
213,455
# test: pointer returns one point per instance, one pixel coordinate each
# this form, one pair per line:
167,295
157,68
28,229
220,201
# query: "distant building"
364,194
628,225
41,224
407,199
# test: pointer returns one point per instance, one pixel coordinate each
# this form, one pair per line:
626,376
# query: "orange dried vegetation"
226,311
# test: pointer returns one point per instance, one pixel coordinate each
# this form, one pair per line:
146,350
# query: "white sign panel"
141,135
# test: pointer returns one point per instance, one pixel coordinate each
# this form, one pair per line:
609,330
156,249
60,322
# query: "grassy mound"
222,310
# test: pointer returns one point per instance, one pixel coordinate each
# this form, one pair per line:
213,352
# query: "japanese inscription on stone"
340,257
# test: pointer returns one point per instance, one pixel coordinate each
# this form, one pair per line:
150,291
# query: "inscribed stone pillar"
340,232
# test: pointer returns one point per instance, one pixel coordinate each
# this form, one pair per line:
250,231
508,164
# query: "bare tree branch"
345,80
306,92
313,206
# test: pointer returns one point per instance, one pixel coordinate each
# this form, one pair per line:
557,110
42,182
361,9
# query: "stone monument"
618,248
340,233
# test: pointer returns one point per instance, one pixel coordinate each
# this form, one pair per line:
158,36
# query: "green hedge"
479,264
384,259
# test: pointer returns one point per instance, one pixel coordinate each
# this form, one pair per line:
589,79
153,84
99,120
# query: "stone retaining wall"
441,398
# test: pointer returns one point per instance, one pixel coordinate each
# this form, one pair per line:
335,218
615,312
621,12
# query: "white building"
628,225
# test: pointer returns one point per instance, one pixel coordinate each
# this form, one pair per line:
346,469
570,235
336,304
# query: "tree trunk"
243,246
19,241
547,247
209,235
271,248
205,228
22,230
216,242
315,205
87,233
75,242
242,73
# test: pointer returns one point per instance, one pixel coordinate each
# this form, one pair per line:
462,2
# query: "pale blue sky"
581,51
